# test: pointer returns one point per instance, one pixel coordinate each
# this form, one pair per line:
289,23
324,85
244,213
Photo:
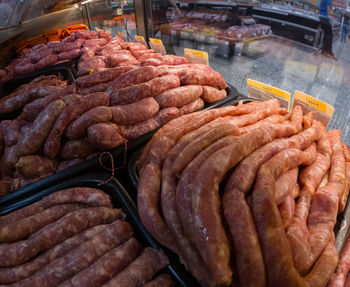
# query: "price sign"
196,56
157,45
141,40
322,111
264,92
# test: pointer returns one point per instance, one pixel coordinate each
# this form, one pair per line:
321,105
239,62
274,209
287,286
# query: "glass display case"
279,44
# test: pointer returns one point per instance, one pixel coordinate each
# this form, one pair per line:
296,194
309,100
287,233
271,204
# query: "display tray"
8,87
120,199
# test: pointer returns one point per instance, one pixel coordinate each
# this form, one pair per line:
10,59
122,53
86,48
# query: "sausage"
159,119
77,128
89,65
109,49
285,185
35,166
69,45
21,251
71,98
70,113
163,280
178,97
10,158
23,228
11,130
136,112
135,46
84,195
191,107
151,88
105,35
81,257
104,136
101,87
87,35
31,110
134,77
74,149
155,62
139,53
106,266
31,141
211,94
286,209
24,69
13,274
46,61
209,227
141,270
69,55
173,60
149,55
94,42
116,59
12,103
102,77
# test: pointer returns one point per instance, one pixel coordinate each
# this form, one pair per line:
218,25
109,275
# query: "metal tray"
8,87
120,199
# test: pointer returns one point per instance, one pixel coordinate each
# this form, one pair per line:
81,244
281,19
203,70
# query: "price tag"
91,71
157,45
141,40
196,56
322,111
264,92
121,35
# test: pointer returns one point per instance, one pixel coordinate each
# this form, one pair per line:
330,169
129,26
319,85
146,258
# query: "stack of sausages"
81,43
62,125
247,195
74,237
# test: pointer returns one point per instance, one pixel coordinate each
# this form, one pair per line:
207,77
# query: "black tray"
8,87
122,200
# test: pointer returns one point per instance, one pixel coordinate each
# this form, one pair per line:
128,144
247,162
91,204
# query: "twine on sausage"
112,169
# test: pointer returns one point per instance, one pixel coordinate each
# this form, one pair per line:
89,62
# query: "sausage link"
34,138
163,280
76,149
135,112
70,113
103,269
32,166
151,88
178,97
21,251
84,195
77,128
212,95
80,257
191,107
101,87
141,270
104,136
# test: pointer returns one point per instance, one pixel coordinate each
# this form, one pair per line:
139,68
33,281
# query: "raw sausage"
151,88
178,97
77,128
191,107
86,103
211,94
163,280
159,119
104,136
21,251
101,87
135,112
32,166
31,141
73,149
106,266
141,270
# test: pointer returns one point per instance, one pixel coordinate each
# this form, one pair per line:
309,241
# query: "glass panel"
11,12
283,45
116,16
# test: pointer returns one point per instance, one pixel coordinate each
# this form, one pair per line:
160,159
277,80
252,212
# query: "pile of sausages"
43,55
247,195
74,237
62,125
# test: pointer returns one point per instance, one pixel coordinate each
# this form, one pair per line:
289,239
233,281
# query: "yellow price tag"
196,56
91,71
322,111
121,35
156,41
139,38
265,92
